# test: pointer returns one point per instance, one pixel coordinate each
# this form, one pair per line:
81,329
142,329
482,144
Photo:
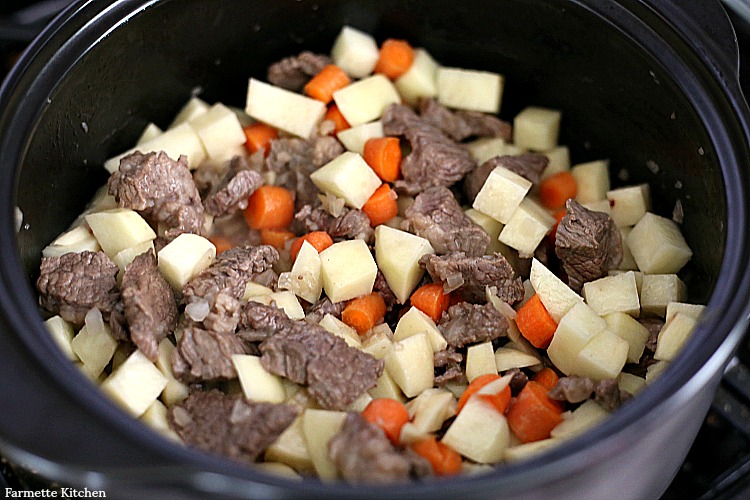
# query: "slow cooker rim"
11,276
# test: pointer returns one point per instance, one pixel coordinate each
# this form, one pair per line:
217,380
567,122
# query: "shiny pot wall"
659,99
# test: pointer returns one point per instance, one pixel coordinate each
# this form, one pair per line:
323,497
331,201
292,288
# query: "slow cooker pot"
651,85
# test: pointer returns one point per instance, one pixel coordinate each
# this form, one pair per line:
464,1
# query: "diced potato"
556,296
431,408
387,388
397,253
673,336
613,293
415,321
62,333
559,161
479,432
629,204
628,262
574,330
469,89
175,391
94,344
257,383
304,278
118,229
537,128
155,417
348,270
184,258
480,360
658,246
253,290
135,384
288,111
492,228
526,228
420,80
219,130
151,131
631,383
341,329
318,427
287,301
658,290
290,448
598,206
592,180
124,257
507,358
78,239
626,327
602,357
692,310
655,370
579,420
410,364
484,148
501,194
191,110
365,100
354,138
347,176
355,51
360,403
379,342
528,450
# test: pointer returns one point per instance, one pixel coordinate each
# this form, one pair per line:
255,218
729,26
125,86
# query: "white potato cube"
290,448
348,270
658,290
492,228
420,80
629,204
78,239
501,194
341,329
556,296
397,253
626,327
658,246
528,450
602,357
355,51
135,384
673,336
151,131
347,176
288,111
598,206
526,228
155,417
287,301
379,343
387,388
184,258
94,344
366,100
118,229
304,278
410,364
124,257
559,161
318,427
415,321
574,331
431,408
537,128
579,420
62,333
592,180
192,109
469,89
628,262
479,432
220,131
692,310
175,391
655,370
507,358
354,138
631,383
485,148
613,293
257,383
480,360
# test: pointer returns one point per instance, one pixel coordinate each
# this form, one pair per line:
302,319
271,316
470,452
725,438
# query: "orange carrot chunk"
535,323
558,215
269,207
383,154
474,386
431,299
533,415
364,312
328,80
320,240
396,57
259,136
388,414
445,460
546,377
277,238
500,400
334,114
381,206
556,189
221,243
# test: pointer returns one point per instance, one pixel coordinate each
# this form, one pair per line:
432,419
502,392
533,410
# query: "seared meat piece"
448,366
654,326
452,373
259,322
228,425
381,286
462,124
528,165
588,243
572,389
205,355
161,189
518,380
231,195
292,73
463,324
73,283
322,307
351,224
362,453
486,125
608,394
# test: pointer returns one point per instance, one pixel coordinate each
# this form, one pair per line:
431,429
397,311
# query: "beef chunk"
588,243
448,366
654,326
436,216
336,373
528,165
231,195
205,355
434,159
518,380
149,304
607,393
73,283
210,176
292,73
259,321
322,307
485,125
572,389
461,124
161,189
384,289
463,324
452,373
446,357
351,224
362,453
470,275
228,425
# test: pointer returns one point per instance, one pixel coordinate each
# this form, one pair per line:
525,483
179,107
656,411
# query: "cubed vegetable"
658,246
602,357
257,383
630,329
592,179
355,51
420,80
184,258
354,138
469,89
365,100
283,109
537,128
479,432
629,204
501,194
318,427
219,130
613,293
118,229
576,328
410,364
556,296
397,253
62,333
526,228
135,384
348,270
415,321
658,290
192,109
480,360
347,176
673,336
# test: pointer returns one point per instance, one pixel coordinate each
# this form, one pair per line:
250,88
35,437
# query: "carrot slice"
535,323
328,80
381,206
269,207
431,299
395,58
383,155
388,414
445,460
258,137
546,377
320,240
474,386
221,243
533,415
277,238
364,312
556,189
499,400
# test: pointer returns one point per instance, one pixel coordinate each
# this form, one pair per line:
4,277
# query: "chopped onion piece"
197,311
